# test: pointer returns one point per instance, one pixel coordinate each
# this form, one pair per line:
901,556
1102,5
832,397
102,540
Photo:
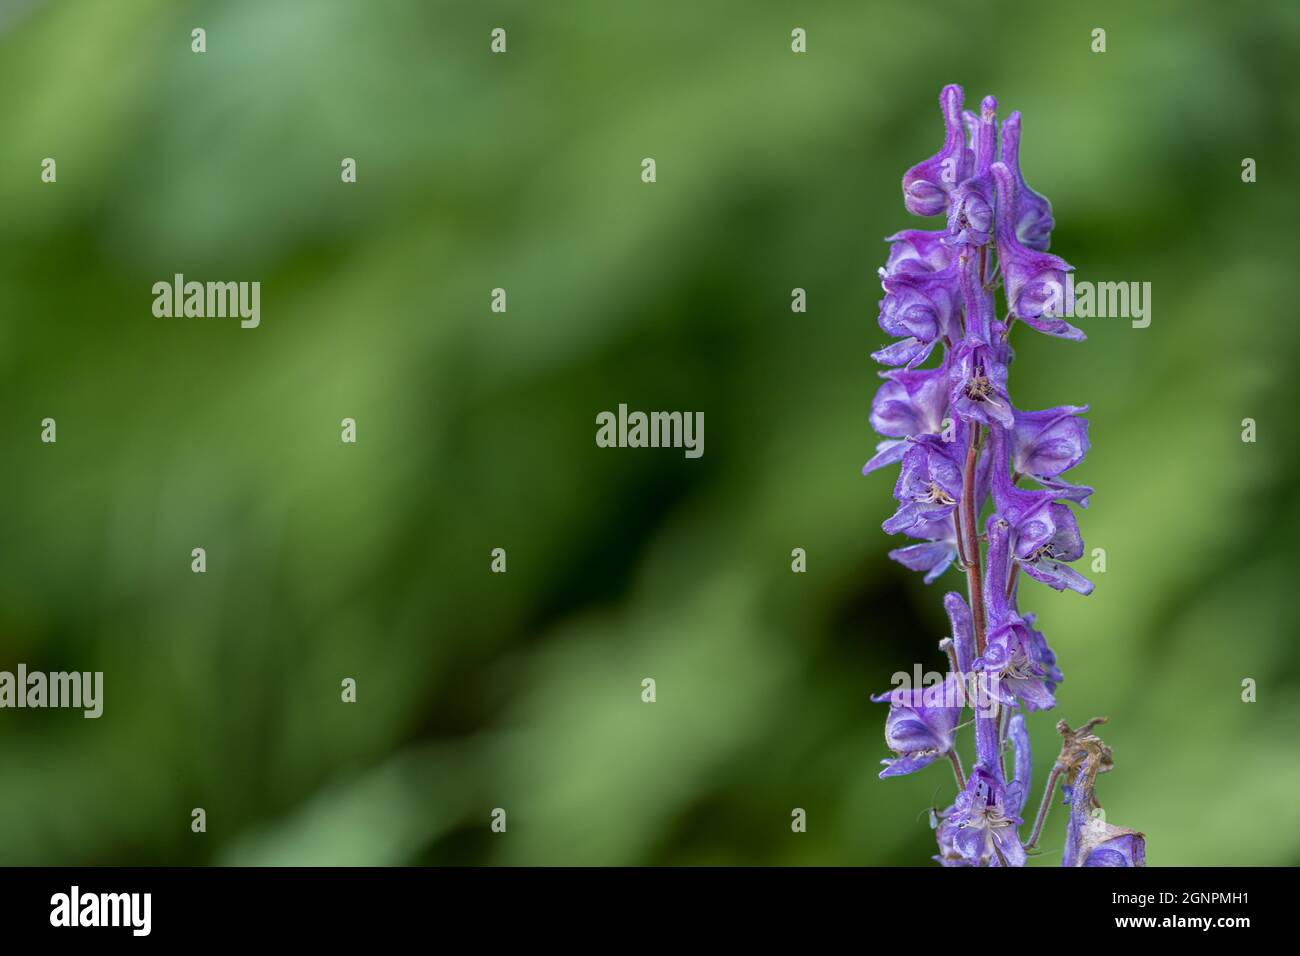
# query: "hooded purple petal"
916,250
911,402
970,213
1036,287
921,305
920,724
963,629
927,184
1046,443
1022,776
1032,216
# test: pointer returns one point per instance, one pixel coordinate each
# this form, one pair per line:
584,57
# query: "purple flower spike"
979,829
1046,443
920,725
1037,292
926,185
960,440
1033,213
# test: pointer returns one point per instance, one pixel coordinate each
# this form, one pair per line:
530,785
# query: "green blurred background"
476,430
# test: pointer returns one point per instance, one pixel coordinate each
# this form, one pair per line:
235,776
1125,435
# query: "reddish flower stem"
969,520
956,770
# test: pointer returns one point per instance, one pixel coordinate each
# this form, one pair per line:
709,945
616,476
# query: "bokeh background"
476,430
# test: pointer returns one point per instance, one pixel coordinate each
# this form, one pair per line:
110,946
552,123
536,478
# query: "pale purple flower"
920,724
928,485
979,829
908,404
1046,443
916,250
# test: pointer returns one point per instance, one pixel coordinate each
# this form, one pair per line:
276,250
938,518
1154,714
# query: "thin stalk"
956,769
1004,719
1044,806
969,520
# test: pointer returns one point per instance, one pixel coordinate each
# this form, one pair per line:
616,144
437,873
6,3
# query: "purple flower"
1045,532
928,486
979,386
1017,665
1044,561
927,184
1012,672
916,250
1035,281
970,214
1043,657
908,404
1032,215
979,829
920,724
1046,443
921,307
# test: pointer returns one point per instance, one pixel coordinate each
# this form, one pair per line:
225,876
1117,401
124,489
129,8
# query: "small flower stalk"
980,487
